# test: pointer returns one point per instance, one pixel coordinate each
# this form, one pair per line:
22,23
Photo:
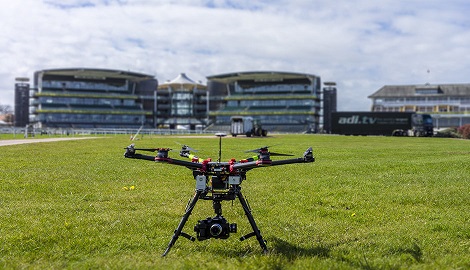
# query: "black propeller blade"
130,146
185,147
258,149
265,148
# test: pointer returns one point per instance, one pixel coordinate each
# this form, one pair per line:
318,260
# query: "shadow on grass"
291,251
280,247
414,251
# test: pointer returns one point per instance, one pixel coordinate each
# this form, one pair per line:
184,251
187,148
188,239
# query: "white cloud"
362,45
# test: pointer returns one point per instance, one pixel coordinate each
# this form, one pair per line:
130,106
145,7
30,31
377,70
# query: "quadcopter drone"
217,181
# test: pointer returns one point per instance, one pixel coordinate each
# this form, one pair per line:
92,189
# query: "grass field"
366,202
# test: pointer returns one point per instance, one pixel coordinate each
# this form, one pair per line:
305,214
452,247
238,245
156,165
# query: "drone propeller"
130,146
258,149
265,148
185,147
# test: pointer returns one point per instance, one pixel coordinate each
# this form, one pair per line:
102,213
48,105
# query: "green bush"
464,131
448,133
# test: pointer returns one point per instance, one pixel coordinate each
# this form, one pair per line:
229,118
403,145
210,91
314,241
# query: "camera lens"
216,229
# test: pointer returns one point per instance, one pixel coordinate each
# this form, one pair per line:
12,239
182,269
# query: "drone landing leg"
186,215
256,231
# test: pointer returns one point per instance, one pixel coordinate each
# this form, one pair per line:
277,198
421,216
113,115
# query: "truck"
246,125
382,123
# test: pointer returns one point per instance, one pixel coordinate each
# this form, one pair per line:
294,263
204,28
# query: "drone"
217,181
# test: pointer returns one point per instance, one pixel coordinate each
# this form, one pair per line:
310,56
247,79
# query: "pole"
220,135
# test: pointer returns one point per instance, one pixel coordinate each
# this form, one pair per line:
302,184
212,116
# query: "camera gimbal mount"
217,181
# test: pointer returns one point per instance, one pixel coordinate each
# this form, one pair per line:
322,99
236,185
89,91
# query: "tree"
465,131
6,109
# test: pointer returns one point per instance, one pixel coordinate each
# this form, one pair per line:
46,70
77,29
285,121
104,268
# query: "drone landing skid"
201,194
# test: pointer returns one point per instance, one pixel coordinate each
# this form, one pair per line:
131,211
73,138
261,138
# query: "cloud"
362,45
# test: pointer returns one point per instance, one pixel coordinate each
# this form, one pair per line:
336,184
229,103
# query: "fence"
32,132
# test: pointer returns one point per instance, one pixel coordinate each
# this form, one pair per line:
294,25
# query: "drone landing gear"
224,232
186,215
256,231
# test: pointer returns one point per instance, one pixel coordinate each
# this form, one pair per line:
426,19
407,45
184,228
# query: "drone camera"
216,227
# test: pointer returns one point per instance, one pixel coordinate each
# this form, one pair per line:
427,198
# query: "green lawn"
366,202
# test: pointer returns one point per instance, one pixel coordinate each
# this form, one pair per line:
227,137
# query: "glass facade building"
329,104
448,104
182,103
21,102
92,98
282,101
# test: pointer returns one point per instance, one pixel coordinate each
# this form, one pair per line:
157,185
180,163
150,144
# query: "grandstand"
92,98
282,101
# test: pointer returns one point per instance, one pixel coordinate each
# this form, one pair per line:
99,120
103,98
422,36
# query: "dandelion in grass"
125,188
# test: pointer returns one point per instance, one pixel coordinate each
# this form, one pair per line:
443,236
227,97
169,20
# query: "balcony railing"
93,111
84,95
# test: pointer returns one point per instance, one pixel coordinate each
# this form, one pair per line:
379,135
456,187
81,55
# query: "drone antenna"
220,135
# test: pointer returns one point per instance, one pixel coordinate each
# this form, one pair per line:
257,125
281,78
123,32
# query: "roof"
258,75
182,81
410,90
94,73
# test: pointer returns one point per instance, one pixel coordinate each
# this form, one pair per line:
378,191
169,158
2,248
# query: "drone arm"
130,153
307,157
139,156
288,161
187,164
246,165
194,158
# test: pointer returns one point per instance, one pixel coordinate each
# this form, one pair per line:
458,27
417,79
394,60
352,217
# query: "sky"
361,45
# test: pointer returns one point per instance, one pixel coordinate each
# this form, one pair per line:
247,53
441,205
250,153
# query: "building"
329,104
282,101
182,103
21,102
448,104
92,98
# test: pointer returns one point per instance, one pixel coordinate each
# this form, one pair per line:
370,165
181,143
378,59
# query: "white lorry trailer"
246,125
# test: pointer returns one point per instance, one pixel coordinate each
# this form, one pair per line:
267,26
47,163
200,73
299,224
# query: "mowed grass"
366,202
